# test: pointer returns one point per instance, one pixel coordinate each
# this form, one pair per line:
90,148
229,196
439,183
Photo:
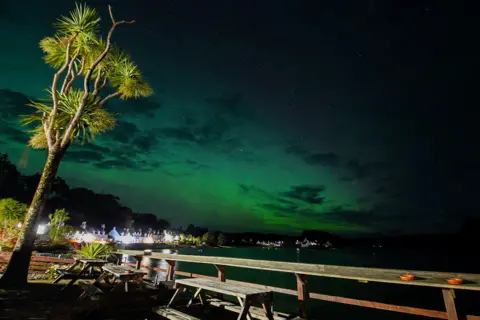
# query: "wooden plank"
122,271
302,294
221,272
424,278
173,314
92,262
448,298
255,312
53,260
171,269
222,287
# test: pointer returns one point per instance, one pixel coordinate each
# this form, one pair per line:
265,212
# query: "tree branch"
48,132
104,83
110,96
97,82
75,76
70,73
88,76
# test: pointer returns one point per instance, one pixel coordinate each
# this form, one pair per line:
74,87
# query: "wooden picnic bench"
87,270
117,277
246,296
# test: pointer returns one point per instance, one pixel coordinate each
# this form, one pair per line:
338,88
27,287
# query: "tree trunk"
16,275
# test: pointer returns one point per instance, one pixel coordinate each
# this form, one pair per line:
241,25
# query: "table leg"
77,276
267,307
245,305
102,276
179,291
202,297
60,277
194,297
245,308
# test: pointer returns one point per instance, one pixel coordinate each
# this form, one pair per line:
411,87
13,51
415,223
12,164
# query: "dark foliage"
82,204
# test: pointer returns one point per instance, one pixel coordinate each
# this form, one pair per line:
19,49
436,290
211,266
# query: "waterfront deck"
303,270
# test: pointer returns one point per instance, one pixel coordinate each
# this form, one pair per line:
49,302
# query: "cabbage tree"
90,71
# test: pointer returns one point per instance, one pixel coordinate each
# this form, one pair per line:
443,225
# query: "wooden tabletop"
122,271
91,261
222,287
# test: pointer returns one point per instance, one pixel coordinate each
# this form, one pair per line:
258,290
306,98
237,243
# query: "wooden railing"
303,270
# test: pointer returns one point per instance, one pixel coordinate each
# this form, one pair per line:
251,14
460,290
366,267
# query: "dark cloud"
11,133
196,166
297,201
306,193
123,132
13,104
84,156
178,133
214,133
145,142
380,190
322,159
230,105
363,200
141,107
121,163
115,156
329,159
359,170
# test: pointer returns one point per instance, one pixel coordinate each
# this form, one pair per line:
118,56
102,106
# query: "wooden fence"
303,270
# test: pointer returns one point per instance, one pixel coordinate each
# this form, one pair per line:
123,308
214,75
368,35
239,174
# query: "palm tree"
73,113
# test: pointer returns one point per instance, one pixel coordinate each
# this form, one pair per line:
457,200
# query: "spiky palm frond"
93,121
55,49
82,19
135,88
38,140
94,250
126,77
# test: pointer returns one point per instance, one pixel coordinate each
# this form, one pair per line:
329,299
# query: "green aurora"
241,134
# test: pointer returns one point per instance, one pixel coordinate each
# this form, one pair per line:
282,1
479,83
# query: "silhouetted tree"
210,238
222,239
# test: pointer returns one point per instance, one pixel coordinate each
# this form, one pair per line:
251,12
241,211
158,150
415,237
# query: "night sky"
352,117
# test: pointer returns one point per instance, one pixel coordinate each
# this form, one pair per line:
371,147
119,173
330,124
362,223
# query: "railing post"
302,294
221,272
119,257
138,262
171,269
449,299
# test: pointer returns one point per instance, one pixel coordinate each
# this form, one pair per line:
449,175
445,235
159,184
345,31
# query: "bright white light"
88,237
168,237
176,238
19,225
148,240
41,229
126,239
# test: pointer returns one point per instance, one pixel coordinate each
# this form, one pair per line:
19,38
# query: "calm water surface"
428,298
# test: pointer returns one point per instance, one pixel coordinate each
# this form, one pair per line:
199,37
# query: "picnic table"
87,269
246,296
118,278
